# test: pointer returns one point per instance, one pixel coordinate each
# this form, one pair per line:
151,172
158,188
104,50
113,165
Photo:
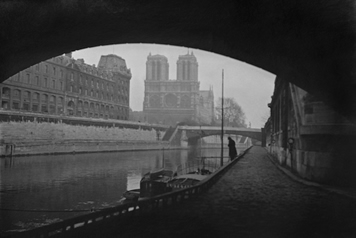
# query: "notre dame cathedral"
172,101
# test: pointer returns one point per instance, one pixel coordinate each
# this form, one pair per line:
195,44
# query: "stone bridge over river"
193,133
203,131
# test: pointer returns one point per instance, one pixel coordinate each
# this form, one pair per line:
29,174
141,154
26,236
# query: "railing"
212,166
173,135
89,222
168,134
123,123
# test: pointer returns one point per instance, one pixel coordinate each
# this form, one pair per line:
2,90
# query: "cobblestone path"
255,199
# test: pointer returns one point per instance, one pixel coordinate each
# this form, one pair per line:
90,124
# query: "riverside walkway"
253,199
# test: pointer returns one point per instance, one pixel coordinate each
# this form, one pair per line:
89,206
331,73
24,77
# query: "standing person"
232,148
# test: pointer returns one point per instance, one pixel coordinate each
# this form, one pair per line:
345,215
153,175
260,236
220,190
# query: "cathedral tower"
187,67
169,101
157,68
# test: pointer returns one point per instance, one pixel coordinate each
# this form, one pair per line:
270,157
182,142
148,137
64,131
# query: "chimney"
68,54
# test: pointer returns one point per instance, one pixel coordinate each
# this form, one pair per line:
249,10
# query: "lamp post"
222,121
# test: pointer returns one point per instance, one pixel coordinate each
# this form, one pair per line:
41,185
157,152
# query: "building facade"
66,86
310,138
172,101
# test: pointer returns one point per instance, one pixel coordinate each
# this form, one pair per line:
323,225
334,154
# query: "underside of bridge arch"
309,43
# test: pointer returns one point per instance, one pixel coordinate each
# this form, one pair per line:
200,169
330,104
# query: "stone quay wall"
331,168
29,138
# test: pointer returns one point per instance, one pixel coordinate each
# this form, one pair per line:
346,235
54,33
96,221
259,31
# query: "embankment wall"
27,138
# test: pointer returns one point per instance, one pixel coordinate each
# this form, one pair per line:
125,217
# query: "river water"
39,190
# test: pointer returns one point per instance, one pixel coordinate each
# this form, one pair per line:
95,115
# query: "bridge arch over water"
309,43
193,133
204,131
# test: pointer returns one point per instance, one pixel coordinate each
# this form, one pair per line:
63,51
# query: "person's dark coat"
232,148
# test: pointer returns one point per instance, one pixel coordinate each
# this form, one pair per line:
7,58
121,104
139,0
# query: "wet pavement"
255,198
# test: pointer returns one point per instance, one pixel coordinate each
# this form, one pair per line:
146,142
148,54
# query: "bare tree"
233,113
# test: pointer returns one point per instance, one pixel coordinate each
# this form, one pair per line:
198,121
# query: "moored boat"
133,194
163,181
151,184
185,181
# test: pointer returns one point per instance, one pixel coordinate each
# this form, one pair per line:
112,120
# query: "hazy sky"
251,87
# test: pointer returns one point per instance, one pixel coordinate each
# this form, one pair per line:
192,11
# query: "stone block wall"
29,131
332,168
24,138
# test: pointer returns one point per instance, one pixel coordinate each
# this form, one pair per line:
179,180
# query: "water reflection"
37,190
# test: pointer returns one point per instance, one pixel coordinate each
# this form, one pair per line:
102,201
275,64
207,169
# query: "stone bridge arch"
255,136
309,43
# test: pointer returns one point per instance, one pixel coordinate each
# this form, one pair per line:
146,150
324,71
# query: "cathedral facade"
173,101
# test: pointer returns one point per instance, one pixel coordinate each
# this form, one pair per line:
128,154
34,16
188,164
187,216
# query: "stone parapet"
28,138
29,131
79,146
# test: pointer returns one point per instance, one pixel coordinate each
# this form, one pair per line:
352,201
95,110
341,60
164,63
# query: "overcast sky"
251,87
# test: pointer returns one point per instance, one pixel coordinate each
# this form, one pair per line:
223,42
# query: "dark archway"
309,43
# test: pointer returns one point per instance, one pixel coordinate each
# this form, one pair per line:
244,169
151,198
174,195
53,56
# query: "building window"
46,68
71,77
28,78
34,107
86,92
45,82
61,74
44,108
35,96
61,85
26,106
54,70
71,88
92,83
53,83
16,105
80,79
26,95
44,98
37,81
80,90
16,94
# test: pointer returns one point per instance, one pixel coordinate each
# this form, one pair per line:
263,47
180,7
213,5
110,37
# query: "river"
39,190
